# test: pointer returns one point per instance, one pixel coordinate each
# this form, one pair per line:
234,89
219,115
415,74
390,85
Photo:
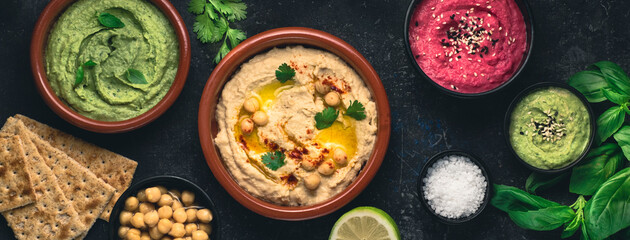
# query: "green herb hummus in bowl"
113,65
550,127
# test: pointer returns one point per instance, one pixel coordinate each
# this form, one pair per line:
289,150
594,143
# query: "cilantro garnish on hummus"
326,118
356,110
273,160
284,73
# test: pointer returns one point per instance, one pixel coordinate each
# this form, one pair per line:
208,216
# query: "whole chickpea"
260,118
138,220
188,198
153,194
125,218
199,235
321,88
167,238
251,105
165,200
307,164
155,233
151,218
177,230
205,227
146,207
190,228
131,204
312,181
204,215
326,168
162,189
177,205
142,196
247,126
191,215
340,157
165,212
179,215
122,231
145,236
332,99
164,226
133,234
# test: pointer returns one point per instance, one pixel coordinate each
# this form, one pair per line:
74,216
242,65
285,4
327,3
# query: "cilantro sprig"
356,110
273,160
326,118
212,23
80,74
284,73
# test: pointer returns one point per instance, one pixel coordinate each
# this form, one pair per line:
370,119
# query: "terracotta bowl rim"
263,42
46,21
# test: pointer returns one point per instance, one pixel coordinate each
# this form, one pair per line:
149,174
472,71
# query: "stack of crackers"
53,185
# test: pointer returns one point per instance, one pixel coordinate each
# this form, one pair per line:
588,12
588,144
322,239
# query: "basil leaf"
590,83
136,77
600,164
110,21
79,76
543,219
572,227
615,97
89,63
508,198
623,139
540,181
584,235
608,211
615,76
609,122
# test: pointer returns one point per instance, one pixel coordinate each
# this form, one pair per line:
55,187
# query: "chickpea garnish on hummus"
296,125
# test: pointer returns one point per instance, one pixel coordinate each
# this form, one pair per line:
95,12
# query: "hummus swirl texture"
147,43
550,128
468,46
291,108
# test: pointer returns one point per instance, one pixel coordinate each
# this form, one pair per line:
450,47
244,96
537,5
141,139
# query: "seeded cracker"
114,169
52,216
16,188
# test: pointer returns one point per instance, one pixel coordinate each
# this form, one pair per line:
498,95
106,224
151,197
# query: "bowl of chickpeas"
163,207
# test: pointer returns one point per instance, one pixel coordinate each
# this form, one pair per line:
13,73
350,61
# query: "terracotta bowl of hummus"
469,48
122,67
294,123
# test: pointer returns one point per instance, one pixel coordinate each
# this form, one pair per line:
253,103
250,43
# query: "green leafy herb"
212,23
136,77
615,76
530,211
110,21
578,220
80,74
590,83
274,160
356,110
538,181
284,73
609,122
615,97
326,118
599,165
623,139
608,211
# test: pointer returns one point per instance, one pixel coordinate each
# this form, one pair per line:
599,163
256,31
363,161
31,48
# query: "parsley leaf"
284,73
136,77
356,110
110,21
274,160
212,23
81,72
326,118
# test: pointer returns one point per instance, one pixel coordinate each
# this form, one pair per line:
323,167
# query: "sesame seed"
444,23
475,74
489,15
433,8
500,28
478,60
464,75
489,7
437,28
450,59
417,38
478,4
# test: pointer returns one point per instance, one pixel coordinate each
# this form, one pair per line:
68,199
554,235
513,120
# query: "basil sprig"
136,77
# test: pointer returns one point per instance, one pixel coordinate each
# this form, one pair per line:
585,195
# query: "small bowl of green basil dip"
550,127
110,66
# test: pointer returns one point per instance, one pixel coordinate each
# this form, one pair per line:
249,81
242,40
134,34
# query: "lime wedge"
365,223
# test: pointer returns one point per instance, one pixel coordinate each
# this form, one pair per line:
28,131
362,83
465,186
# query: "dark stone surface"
569,36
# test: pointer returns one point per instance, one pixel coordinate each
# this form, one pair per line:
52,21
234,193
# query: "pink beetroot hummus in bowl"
469,48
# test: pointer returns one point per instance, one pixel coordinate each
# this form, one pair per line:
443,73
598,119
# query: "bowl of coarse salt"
454,186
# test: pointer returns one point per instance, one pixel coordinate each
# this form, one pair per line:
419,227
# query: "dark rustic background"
570,34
